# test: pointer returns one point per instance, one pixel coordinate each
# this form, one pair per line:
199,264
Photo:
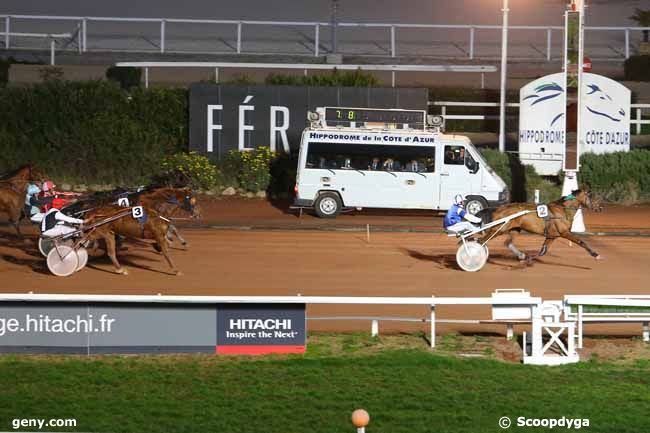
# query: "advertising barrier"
93,328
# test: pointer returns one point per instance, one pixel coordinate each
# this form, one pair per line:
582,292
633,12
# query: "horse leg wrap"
543,251
516,252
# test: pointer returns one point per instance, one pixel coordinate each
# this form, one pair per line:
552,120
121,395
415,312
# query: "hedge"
522,180
621,177
637,68
92,131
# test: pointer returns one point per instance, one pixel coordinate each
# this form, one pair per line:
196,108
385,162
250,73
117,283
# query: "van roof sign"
374,118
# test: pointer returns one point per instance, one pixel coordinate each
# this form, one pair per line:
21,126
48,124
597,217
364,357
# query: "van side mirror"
474,169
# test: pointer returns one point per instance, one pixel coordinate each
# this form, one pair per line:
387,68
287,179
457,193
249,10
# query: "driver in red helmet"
53,221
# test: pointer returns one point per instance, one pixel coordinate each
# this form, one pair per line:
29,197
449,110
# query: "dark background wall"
298,100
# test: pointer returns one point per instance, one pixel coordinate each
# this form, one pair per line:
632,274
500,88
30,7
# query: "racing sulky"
556,225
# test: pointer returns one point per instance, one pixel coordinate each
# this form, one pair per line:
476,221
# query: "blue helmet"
33,189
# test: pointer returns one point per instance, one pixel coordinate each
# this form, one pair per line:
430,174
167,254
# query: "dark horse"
557,225
13,189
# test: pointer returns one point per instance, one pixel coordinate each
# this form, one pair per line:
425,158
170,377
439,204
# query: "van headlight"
503,195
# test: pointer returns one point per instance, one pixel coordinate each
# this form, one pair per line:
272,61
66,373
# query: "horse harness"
550,216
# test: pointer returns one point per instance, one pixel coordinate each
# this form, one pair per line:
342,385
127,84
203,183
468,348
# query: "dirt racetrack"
288,262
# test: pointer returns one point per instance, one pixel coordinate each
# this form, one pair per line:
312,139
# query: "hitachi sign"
255,324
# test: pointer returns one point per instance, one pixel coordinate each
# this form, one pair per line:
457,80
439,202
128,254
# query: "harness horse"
552,221
13,188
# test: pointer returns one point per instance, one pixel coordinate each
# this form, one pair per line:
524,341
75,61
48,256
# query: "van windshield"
368,157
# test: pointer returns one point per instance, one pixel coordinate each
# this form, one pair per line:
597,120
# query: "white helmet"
458,200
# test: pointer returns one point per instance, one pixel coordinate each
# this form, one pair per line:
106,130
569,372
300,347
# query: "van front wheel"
328,205
475,205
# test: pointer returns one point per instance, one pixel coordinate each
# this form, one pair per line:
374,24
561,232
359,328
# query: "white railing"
518,299
313,43
51,36
637,121
581,317
393,69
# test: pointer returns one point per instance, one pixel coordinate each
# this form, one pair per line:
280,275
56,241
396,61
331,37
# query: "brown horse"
13,189
557,224
151,226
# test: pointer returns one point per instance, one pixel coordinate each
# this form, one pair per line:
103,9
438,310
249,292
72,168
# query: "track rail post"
433,324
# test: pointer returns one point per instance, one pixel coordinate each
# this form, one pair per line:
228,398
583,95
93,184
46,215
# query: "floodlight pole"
504,72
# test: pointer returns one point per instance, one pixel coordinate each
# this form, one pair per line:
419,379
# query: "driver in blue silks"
453,221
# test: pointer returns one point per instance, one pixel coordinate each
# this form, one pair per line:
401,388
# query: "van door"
455,175
419,179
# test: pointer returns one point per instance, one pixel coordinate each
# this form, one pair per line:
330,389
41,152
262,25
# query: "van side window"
454,155
470,163
369,157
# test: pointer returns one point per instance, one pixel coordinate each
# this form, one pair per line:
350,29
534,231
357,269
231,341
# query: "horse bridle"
187,203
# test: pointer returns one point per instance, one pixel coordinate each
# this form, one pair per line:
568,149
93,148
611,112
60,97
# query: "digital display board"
337,115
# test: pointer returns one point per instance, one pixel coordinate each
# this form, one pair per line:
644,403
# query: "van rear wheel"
328,205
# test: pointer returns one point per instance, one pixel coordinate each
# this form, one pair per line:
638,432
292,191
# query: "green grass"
404,390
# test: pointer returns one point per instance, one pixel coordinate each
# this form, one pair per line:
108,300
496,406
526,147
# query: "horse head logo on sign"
600,103
544,93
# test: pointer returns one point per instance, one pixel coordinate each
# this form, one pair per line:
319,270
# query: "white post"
162,36
392,76
84,28
471,43
79,37
510,331
482,80
316,39
146,77
638,118
443,113
392,41
580,326
549,33
374,329
7,30
52,42
627,43
504,66
216,75
536,196
239,37
433,325
646,332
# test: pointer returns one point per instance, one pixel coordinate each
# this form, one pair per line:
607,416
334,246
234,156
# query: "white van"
364,158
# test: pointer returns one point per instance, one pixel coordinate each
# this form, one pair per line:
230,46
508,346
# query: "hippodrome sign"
605,117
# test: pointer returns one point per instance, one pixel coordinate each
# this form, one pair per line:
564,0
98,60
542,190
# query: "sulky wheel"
62,261
471,256
45,245
82,255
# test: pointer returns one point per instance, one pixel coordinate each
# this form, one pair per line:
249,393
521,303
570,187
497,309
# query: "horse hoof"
598,257
179,274
123,271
